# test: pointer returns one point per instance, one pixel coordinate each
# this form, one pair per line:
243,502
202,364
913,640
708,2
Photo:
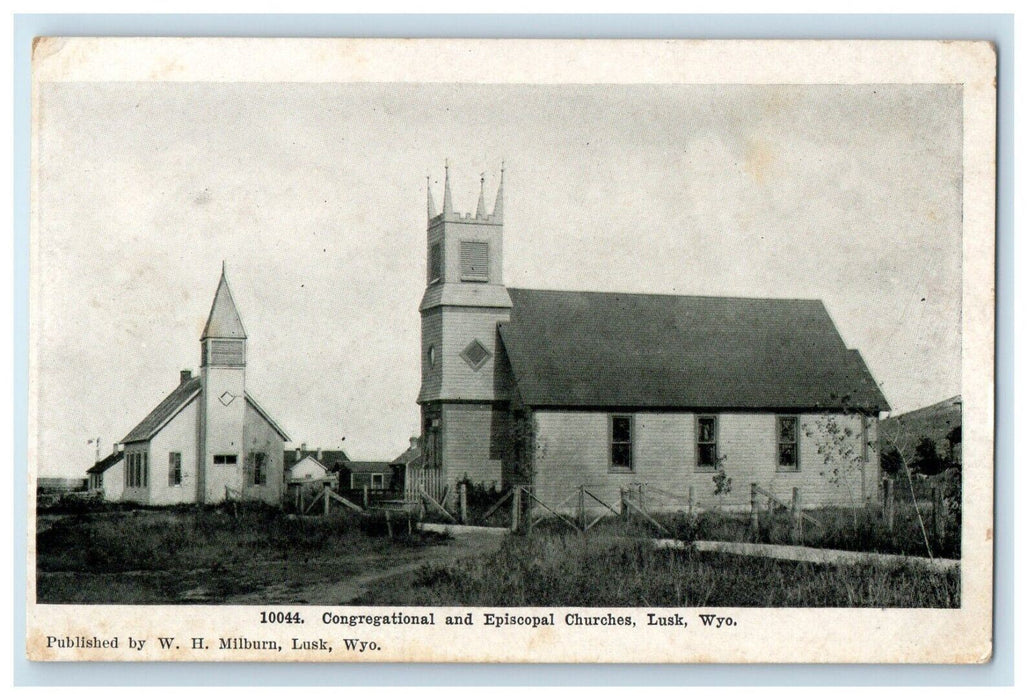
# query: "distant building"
58,485
566,389
301,464
209,438
375,476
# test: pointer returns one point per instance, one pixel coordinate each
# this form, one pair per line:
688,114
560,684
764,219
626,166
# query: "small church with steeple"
208,440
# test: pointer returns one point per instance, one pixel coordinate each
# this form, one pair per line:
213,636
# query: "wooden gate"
420,479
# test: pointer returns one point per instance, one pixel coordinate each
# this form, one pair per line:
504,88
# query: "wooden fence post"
888,503
463,502
938,512
624,508
796,515
326,500
582,507
515,510
642,506
754,510
690,503
366,497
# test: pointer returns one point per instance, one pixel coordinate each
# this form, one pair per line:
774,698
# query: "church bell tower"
221,424
462,388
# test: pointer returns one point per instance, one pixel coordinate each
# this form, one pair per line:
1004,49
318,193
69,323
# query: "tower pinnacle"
479,213
431,200
447,197
497,209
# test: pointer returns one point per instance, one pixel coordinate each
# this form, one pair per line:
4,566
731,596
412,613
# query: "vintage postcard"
511,350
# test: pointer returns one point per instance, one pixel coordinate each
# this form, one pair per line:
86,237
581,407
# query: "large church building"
208,440
562,389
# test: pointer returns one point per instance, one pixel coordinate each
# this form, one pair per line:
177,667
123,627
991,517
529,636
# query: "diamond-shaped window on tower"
475,355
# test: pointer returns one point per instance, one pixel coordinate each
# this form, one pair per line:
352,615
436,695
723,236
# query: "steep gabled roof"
591,349
106,463
223,319
164,411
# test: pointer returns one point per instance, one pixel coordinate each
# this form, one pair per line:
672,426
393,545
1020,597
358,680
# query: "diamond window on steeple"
476,355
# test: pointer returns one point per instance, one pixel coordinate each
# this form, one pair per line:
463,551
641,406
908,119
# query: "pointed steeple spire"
223,319
497,209
479,212
431,202
447,197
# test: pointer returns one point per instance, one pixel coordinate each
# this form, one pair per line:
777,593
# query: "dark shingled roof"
368,467
106,463
332,460
164,411
412,453
592,349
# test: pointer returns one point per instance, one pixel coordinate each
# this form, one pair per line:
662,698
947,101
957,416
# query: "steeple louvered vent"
474,261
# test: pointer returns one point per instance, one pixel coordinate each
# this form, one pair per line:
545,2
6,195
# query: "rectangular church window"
787,448
258,468
175,469
621,443
707,455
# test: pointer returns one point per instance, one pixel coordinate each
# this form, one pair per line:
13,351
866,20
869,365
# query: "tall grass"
553,568
180,539
861,531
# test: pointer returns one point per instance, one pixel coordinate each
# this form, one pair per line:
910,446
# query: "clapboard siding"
260,436
431,336
573,450
177,436
474,443
458,379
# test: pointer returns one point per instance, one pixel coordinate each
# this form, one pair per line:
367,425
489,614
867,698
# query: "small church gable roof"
164,411
106,463
602,350
273,424
223,319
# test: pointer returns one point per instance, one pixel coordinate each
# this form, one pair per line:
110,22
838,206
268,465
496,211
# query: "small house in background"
374,476
301,464
307,472
108,475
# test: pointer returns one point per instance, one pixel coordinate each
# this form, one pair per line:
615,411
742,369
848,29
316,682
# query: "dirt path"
347,589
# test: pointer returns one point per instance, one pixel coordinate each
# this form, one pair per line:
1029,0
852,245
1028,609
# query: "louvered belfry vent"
226,353
475,355
474,261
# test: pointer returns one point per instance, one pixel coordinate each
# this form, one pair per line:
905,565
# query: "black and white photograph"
482,338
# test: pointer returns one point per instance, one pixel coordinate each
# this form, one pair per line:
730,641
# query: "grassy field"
192,555
551,568
260,555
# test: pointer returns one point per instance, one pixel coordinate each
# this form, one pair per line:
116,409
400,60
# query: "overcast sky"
314,197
